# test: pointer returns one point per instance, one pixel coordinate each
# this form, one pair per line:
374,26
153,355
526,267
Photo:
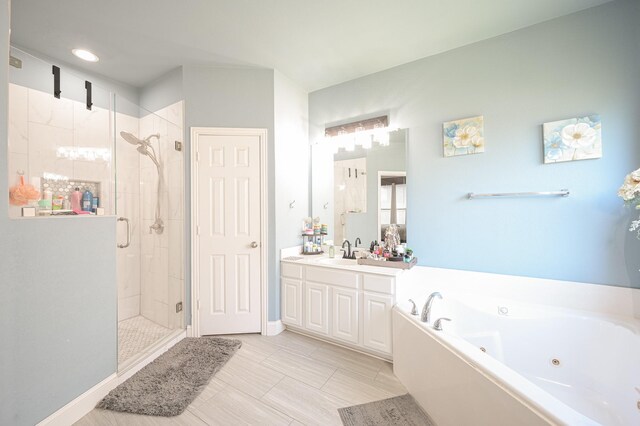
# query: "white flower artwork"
462,137
573,139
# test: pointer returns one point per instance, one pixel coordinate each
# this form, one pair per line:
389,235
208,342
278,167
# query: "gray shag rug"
400,410
172,381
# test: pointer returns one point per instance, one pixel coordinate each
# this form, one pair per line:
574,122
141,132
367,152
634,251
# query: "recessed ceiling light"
85,55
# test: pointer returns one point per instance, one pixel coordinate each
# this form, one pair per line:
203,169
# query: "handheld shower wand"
145,148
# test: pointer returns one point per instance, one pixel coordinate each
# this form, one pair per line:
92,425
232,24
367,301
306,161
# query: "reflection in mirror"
392,205
361,191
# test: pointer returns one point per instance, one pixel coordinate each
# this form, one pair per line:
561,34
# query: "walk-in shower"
126,157
146,148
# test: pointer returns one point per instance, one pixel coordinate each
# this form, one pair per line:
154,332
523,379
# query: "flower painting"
462,137
573,139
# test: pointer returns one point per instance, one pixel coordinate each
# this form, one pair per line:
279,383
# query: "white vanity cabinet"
377,330
316,307
345,319
292,294
350,307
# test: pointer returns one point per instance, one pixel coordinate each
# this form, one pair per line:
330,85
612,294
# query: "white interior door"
228,231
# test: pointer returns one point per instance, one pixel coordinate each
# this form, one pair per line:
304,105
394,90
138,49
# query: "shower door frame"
264,220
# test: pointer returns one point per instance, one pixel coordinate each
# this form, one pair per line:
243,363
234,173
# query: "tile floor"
136,334
287,379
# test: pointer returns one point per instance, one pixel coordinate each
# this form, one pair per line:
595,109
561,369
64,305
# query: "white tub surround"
520,350
340,301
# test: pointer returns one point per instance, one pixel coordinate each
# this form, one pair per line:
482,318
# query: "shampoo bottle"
76,200
87,201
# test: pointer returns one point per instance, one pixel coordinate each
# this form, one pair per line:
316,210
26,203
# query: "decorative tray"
387,264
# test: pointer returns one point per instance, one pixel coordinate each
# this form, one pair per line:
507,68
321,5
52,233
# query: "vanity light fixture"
361,133
85,55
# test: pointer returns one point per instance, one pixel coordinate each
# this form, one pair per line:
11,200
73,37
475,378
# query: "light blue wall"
57,298
230,97
36,74
580,64
164,91
291,168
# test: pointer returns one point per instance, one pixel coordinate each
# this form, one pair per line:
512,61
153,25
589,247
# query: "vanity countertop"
338,262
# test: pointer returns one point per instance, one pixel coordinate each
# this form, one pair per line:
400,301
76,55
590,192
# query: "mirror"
359,193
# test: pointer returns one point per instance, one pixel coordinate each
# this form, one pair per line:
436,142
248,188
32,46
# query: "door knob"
254,244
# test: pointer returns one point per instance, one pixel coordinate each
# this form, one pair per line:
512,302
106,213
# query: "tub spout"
438,324
426,310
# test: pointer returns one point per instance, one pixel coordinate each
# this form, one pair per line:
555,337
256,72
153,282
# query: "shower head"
131,139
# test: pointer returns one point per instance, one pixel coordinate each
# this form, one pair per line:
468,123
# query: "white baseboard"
79,407
82,405
274,328
190,331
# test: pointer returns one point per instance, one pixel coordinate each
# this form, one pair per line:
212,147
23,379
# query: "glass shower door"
149,196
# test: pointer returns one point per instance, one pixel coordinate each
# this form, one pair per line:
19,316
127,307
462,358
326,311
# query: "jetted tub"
501,362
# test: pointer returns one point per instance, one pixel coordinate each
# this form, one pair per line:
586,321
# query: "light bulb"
85,55
383,139
367,141
350,144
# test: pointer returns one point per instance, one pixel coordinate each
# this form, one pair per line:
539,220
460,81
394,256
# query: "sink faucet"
426,310
358,240
347,253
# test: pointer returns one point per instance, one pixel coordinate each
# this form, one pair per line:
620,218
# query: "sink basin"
338,261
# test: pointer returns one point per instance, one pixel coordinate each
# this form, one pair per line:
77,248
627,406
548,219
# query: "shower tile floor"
136,334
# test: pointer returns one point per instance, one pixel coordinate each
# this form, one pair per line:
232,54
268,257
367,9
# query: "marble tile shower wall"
127,192
150,270
39,124
162,274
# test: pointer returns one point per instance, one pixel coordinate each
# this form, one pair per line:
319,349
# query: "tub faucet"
437,326
426,310
414,311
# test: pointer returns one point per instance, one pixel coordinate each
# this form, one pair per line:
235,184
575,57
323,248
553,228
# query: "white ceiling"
317,43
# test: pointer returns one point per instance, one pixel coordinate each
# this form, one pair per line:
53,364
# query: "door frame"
379,186
196,132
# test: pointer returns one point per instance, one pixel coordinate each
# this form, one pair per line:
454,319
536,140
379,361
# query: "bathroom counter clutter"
64,216
341,263
338,300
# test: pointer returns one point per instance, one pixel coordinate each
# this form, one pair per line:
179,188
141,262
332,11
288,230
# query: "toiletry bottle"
76,199
47,200
57,203
87,200
95,204
332,251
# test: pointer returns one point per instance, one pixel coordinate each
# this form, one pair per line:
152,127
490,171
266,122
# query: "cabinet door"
377,321
291,301
316,317
344,324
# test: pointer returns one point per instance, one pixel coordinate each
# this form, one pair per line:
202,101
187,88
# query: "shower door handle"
124,219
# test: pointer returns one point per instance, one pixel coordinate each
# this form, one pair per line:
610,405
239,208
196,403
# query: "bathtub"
504,362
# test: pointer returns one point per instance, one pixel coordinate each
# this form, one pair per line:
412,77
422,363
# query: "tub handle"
414,310
438,324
